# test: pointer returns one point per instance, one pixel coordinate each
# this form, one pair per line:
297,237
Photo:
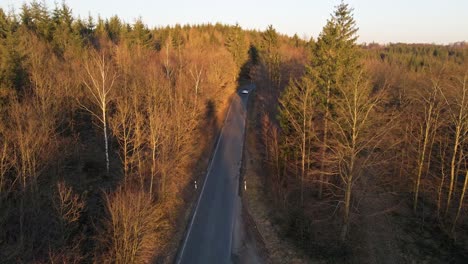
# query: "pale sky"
383,21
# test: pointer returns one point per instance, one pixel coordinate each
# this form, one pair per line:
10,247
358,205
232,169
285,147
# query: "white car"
244,91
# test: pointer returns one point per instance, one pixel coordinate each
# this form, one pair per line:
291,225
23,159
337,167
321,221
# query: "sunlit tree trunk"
427,131
99,83
460,204
442,155
460,121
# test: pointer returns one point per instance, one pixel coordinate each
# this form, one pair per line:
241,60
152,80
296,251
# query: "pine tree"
113,27
65,35
39,20
12,74
100,28
253,54
296,41
140,34
335,60
4,24
271,56
236,45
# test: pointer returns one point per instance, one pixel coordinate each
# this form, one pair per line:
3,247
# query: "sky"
382,21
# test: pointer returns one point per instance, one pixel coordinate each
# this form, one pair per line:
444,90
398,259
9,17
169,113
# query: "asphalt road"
209,237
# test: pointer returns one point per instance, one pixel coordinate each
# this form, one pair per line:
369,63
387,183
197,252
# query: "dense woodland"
105,124
368,130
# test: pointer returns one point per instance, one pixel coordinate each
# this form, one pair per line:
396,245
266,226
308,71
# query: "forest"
364,145
358,150
104,126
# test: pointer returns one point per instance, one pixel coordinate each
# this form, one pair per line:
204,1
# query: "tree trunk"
303,149
453,167
460,205
125,153
442,181
106,142
422,158
344,230
324,142
153,168
429,125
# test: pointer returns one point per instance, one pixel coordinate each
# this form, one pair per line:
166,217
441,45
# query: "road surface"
209,237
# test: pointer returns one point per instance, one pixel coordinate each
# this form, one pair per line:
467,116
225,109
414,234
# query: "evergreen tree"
64,34
177,37
347,103
62,15
4,25
335,53
140,34
12,74
270,40
296,41
236,45
39,20
335,61
113,27
26,17
271,56
100,28
253,54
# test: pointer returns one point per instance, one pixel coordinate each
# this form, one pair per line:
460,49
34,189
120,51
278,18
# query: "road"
209,237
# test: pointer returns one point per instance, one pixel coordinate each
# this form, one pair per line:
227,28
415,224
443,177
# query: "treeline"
415,57
360,121
104,126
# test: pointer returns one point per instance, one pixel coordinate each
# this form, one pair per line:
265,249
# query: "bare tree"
99,81
196,74
355,136
461,201
32,135
443,155
139,144
296,115
426,129
132,228
122,124
458,113
273,156
460,122
155,136
69,207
